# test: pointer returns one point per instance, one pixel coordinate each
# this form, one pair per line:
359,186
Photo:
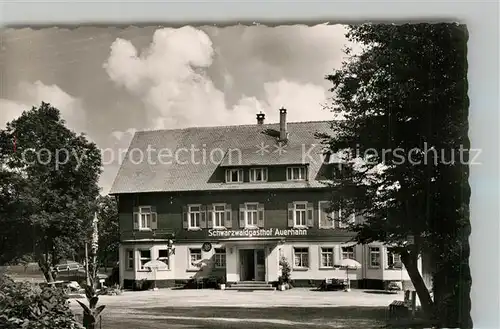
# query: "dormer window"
258,174
234,175
296,173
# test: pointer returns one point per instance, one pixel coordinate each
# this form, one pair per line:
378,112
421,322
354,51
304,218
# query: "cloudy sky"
110,82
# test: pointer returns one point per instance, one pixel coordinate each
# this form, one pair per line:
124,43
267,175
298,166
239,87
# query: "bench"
398,309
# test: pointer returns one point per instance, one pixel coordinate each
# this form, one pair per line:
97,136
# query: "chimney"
283,130
260,118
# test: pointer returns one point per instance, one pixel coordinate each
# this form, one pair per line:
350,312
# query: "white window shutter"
290,215
154,219
203,216
185,219
260,221
242,216
229,218
310,214
136,217
210,216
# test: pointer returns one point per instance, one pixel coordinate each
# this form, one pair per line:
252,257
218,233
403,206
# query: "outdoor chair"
333,284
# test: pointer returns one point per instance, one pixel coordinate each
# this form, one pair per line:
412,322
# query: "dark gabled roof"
186,159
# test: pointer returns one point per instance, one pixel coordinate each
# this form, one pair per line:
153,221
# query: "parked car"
68,266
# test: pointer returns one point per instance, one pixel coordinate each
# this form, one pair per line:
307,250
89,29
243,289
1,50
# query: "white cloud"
32,94
9,111
306,97
170,77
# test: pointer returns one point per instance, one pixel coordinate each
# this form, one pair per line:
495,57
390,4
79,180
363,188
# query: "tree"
404,147
15,206
109,231
59,170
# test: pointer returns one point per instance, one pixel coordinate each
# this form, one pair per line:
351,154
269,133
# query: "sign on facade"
270,232
207,246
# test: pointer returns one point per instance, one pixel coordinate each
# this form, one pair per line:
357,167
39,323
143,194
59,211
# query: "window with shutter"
300,211
251,213
145,218
218,216
193,216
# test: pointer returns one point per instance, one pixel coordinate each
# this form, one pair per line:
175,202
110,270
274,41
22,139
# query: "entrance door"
260,265
247,265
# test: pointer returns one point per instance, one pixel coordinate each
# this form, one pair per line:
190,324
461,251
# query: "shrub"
285,270
113,278
112,291
142,284
28,306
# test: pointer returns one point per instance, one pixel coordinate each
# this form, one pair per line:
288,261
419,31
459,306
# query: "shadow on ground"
317,317
380,292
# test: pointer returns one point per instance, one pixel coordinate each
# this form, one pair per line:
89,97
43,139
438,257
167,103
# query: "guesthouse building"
231,201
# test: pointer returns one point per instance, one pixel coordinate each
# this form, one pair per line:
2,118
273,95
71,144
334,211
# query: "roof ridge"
230,126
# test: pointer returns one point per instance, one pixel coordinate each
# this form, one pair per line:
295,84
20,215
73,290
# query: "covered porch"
252,259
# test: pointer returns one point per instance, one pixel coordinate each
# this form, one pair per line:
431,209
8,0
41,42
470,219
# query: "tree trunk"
45,268
44,264
423,293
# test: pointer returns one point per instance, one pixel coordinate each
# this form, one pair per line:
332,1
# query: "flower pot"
222,286
281,287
